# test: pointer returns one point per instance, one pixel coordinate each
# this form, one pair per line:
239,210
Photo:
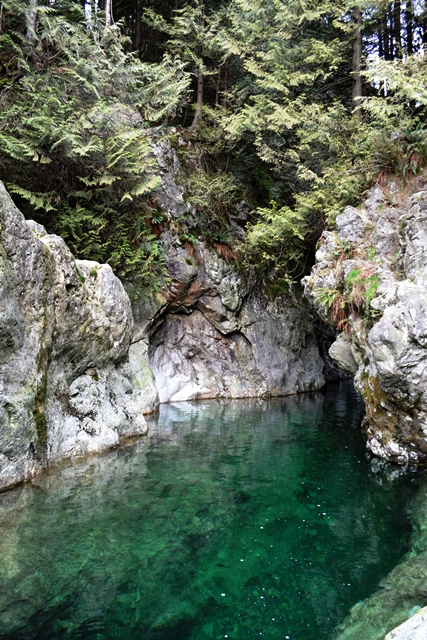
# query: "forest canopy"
290,108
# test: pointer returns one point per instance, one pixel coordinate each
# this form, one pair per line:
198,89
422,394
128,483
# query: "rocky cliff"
67,384
78,372
212,335
369,281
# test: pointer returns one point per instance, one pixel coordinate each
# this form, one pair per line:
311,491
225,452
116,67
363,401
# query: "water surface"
236,519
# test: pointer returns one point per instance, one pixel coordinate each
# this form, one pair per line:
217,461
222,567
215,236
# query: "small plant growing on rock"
362,285
371,253
333,302
80,275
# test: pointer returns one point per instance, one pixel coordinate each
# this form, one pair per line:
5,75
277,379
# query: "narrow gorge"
82,368
79,370
213,320
83,362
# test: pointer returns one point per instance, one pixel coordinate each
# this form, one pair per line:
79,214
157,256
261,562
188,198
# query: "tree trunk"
380,40
199,102
108,12
225,90
218,84
409,21
200,82
397,26
32,20
137,40
357,61
388,48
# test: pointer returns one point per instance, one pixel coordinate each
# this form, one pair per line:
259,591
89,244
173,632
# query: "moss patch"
381,417
385,417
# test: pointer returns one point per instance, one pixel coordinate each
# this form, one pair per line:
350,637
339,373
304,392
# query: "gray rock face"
388,338
341,351
211,335
351,225
415,234
413,629
66,384
171,196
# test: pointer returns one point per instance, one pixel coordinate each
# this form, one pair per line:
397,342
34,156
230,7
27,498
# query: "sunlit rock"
66,385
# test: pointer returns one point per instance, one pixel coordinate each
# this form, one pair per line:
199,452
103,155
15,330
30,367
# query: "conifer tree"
276,87
75,137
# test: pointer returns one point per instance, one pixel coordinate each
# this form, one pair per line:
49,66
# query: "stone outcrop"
370,280
212,335
68,384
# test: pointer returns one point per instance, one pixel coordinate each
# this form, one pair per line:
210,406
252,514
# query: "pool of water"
235,519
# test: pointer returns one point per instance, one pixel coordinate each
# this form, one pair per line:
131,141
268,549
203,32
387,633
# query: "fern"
74,150
36,200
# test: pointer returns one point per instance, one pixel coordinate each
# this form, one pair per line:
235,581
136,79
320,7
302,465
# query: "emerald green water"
236,519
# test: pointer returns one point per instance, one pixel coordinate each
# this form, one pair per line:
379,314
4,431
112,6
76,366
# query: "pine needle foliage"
294,106
76,118
290,52
278,242
78,114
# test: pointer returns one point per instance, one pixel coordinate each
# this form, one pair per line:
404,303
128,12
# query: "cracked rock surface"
211,335
385,344
67,383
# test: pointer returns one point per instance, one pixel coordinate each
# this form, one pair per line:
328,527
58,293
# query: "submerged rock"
397,610
66,384
369,279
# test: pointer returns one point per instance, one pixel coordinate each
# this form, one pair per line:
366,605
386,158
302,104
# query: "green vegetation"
334,303
74,150
354,296
293,108
362,287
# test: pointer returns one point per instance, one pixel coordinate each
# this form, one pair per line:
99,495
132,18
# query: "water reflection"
234,519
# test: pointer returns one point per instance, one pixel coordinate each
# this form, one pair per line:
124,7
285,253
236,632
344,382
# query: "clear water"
236,519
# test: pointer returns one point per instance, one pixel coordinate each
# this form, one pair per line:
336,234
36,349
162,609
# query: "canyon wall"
370,281
67,386
78,372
